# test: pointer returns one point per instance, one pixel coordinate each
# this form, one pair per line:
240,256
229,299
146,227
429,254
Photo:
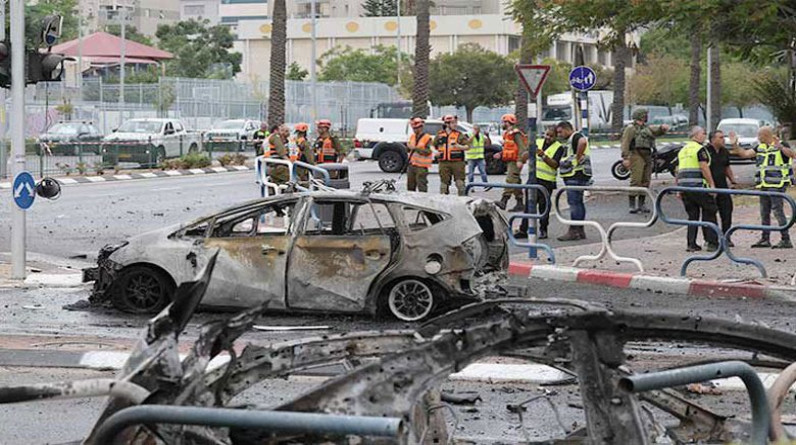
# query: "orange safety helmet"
448,118
324,123
302,127
510,118
417,122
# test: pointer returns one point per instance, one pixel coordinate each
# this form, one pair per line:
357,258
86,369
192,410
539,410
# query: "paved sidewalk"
42,271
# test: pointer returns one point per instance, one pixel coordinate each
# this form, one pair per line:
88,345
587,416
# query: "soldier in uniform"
327,146
451,146
420,157
638,142
277,149
305,153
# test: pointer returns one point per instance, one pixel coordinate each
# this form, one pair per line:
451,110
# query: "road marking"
67,181
165,189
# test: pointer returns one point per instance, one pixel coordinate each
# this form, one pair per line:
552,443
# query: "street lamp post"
18,133
398,42
123,49
313,76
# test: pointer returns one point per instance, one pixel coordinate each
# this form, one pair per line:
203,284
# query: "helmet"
417,122
324,123
510,118
448,118
48,188
302,127
640,114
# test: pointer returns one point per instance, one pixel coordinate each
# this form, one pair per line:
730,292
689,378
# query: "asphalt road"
88,216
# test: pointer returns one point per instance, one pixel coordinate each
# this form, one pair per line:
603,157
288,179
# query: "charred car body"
404,254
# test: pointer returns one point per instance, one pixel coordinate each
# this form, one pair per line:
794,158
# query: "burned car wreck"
391,395
402,254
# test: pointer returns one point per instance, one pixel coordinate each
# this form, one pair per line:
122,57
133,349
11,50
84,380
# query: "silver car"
403,254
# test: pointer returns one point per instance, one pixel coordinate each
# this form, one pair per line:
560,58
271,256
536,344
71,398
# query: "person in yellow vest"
420,156
259,137
693,170
303,151
774,174
475,155
277,150
451,145
575,170
514,149
327,146
548,155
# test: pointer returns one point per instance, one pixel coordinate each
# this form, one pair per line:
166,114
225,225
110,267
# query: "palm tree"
621,55
521,95
276,97
696,73
420,89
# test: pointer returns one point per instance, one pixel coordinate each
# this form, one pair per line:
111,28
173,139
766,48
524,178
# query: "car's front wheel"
142,290
391,161
410,299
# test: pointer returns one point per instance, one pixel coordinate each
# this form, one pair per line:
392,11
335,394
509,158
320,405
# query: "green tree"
34,19
776,92
276,84
471,77
358,65
130,33
380,8
738,81
296,72
662,80
200,50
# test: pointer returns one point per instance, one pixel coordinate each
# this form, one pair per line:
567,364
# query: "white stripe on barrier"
173,173
197,171
219,169
122,177
148,175
95,178
559,273
670,285
240,167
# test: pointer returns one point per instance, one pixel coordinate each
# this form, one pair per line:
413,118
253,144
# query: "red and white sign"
532,76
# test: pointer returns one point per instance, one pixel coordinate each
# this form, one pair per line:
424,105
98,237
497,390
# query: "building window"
194,9
514,43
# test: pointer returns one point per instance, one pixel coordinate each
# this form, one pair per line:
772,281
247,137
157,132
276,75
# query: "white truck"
560,107
148,141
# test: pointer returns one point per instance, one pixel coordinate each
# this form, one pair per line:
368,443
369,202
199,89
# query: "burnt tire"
619,171
391,161
409,299
142,290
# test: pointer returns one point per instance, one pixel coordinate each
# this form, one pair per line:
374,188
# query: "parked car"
403,254
746,129
384,140
231,135
71,138
148,141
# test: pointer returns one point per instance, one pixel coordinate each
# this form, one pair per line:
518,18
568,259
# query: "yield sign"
532,76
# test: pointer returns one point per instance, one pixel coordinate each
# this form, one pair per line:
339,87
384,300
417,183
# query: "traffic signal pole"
3,111
17,132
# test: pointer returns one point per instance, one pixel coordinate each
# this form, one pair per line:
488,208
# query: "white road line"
165,189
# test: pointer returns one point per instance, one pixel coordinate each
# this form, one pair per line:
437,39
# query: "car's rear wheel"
410,299
142,290
391,161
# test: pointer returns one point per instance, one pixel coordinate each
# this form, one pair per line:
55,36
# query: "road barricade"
532,243
723,247
270,188
606,235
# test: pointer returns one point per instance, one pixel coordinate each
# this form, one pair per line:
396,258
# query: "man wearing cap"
304,153
638,142
451,145
420,157
514,151
327,147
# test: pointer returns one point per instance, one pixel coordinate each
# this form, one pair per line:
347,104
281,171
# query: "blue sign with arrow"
582,78
24,190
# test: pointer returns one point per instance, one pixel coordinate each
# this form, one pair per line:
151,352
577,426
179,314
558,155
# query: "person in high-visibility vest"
774,174
420,156
548,155
277,150
475,155
515,147
451,145
327,146
259,137
575,170
304,153
693,170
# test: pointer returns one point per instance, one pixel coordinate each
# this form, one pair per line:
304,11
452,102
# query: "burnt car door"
342,247
252,261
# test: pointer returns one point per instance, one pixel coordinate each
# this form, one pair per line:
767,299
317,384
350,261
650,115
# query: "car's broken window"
370,218
276,219
328,218
419,219
197,231
273,219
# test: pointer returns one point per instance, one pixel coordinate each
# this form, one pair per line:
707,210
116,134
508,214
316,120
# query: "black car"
71,139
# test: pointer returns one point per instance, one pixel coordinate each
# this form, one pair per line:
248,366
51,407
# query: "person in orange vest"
327,147
514,151
303,152
277,150
451,145
420,157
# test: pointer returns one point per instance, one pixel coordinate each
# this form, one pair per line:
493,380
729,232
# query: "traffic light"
5,65
45,67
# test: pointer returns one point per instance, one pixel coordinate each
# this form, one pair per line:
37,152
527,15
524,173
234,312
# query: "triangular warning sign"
532,76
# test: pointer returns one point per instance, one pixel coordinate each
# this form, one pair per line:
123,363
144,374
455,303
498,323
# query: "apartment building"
145,15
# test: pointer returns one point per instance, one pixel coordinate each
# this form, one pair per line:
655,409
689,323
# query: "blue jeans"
577,209
472,164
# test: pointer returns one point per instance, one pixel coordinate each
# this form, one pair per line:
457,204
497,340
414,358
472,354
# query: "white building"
144,15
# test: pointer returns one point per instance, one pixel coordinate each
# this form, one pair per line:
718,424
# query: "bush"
191,160
232,159
225,160
82,167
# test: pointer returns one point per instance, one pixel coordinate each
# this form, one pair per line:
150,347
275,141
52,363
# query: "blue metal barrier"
261,173
531,244
723,247
327,179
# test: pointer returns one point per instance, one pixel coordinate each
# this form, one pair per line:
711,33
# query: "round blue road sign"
582,78
24,190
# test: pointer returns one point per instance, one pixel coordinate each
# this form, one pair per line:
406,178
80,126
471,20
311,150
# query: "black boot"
503,201
520,207
642,207
632,202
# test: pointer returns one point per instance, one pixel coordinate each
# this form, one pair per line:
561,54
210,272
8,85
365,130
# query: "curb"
680,286
147,175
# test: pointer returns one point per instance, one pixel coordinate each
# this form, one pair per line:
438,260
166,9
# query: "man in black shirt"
721,171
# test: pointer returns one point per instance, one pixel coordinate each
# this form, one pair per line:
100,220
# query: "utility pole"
398,42
17,132
313,76
122,51
80,54
709,109
3,113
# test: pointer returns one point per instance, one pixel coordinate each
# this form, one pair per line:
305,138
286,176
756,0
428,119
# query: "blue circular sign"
24,190
582,78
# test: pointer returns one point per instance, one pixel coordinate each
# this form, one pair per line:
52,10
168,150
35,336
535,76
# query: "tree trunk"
521,96
469,112
715,86
696,73
276,97
420,88
621,56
